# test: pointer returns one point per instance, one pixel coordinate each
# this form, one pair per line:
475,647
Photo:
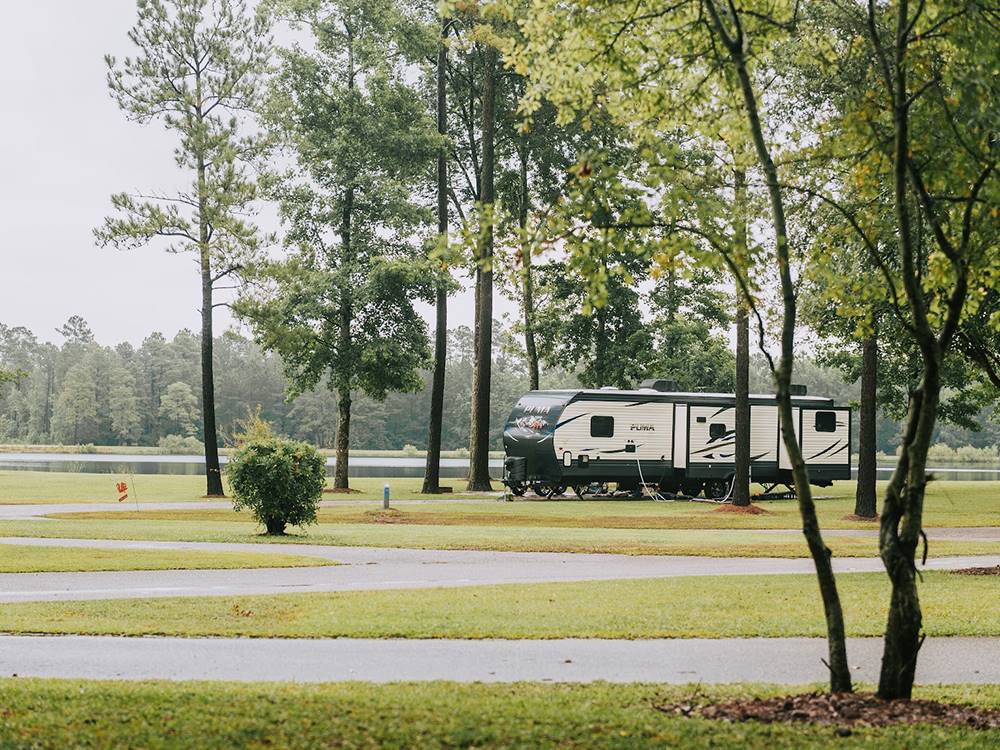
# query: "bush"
179,445
279,481
88,448
410,450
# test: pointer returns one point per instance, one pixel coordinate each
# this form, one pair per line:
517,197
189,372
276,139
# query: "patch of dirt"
843,710
751,510
332,491
855,517
994,571
388,516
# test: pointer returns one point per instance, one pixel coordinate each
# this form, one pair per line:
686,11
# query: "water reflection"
361,466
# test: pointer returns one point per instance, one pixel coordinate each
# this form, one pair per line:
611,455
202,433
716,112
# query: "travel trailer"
671,441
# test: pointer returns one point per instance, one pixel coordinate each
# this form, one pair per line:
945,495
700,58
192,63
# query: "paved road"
390,568
779,660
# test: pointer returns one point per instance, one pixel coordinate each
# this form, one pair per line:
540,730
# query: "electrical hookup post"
385,497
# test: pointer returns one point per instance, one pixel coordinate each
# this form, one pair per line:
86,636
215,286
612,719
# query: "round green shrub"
279,481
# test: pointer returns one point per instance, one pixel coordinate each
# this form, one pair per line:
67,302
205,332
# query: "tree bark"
527,281
479,432
741,479
901,526
340,472
432,468
840,674
213,472
865,503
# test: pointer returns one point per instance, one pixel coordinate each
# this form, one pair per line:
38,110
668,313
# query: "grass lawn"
704,607
72,713
193,526
16,558
25,487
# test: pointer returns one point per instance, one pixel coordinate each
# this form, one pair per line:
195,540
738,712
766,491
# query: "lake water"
360,466
100,463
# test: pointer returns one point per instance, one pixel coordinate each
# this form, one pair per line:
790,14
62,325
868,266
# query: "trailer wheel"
716,489
517,489
540,488
691,487
556,489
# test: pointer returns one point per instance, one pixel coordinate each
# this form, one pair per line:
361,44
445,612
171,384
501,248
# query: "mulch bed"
752,510
843,710
855,517
994,571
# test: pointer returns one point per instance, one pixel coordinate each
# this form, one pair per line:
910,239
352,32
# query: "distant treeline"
80,392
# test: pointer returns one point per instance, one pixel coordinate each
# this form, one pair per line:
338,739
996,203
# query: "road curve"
367,568
697,660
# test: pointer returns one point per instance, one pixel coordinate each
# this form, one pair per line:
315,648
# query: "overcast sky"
64,149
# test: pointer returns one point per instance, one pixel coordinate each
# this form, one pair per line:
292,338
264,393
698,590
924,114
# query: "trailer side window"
603,427
717,430
826,421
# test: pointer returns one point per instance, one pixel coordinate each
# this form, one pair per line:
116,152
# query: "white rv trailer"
672,440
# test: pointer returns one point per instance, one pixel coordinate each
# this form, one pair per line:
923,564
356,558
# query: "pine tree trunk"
865,503
213,472
741,469
432,468
479,437
212,468
741,486
527,281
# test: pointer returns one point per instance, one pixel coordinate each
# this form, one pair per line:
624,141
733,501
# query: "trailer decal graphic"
827,450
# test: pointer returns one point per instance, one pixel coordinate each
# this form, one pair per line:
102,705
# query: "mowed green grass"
17,558
49,487
73,713
701,542
701,607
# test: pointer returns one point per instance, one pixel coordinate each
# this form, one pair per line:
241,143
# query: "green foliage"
181,445
197,68
179,407
280,481
340,308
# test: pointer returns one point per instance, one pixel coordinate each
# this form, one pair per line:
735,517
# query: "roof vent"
659,384
796,389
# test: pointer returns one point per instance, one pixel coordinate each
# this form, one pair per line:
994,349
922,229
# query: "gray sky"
64,149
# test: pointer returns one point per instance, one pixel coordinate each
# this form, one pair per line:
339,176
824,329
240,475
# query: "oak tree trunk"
479,432
340,472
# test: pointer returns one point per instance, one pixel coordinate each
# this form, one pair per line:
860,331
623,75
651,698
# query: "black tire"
716,489
517,489
540,488
692,487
